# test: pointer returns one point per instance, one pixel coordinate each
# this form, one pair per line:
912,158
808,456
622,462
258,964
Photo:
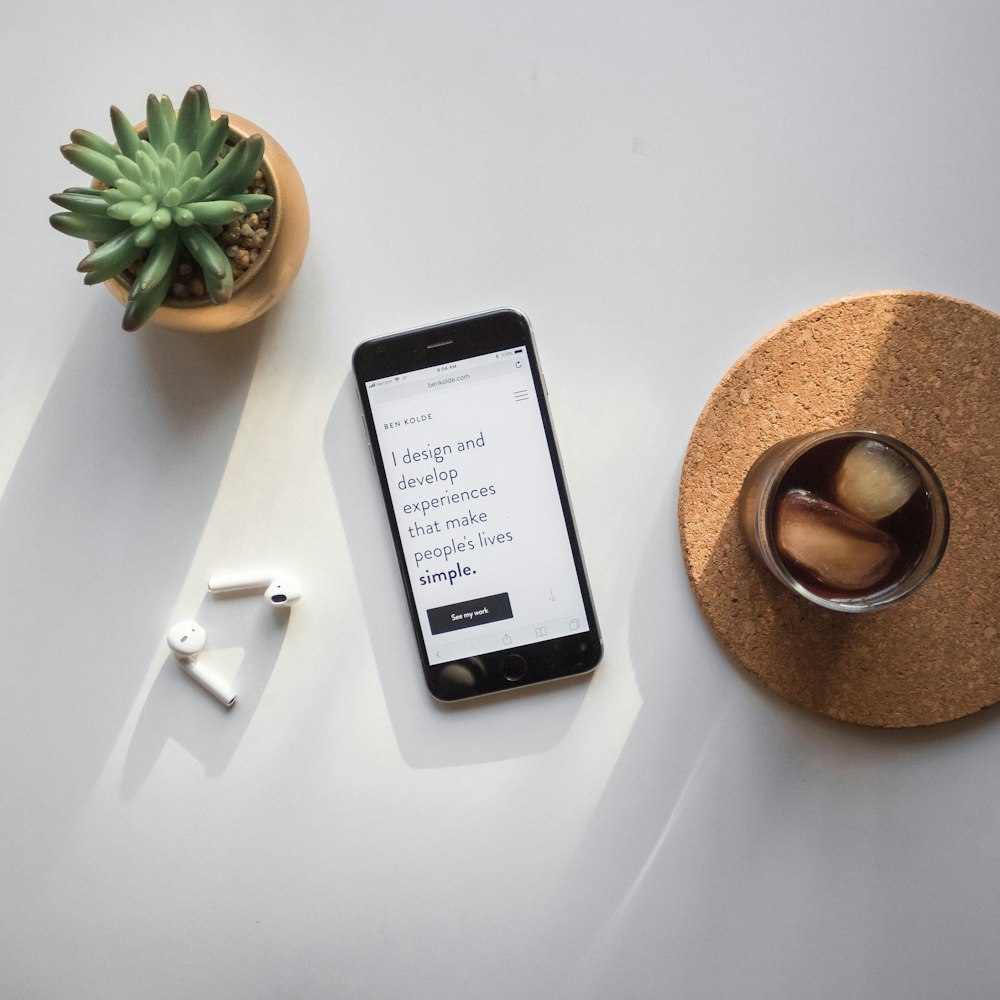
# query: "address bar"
430,381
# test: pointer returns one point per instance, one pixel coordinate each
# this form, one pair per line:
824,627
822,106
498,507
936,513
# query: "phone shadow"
429,734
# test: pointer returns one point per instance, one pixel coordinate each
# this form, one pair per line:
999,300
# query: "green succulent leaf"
130,189
168,172
111,196
215,265
87,227
124,210
110,269
91,141
149,169
191,167
205,250
253,202
161,121
139,309
119,252
91,162
215,213
159,264
204,110
130,169
193,189
189,120
236,171
98,277
90,203
147,235
143,214
147,147
125,133
173,153
211,142
220,290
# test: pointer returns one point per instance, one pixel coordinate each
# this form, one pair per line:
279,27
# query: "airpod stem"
216,690
186,640
227,582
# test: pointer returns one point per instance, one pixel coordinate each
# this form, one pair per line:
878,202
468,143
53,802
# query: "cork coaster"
922,368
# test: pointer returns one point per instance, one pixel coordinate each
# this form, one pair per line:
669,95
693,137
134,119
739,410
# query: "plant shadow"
100,518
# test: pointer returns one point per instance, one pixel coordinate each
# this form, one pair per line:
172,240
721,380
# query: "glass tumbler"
851,520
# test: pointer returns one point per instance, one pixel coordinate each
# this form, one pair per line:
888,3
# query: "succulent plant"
161,190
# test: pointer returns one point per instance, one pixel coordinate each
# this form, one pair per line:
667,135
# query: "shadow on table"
600,912
428,734
98,525
641,850
180,710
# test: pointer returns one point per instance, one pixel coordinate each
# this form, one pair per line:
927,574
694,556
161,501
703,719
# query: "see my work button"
465,614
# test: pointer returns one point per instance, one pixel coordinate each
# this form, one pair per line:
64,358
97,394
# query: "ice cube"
839,550
874,480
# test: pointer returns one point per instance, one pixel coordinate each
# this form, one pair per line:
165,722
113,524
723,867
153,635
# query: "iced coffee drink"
851,520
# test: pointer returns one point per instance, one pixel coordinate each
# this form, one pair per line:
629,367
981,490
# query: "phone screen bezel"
455,340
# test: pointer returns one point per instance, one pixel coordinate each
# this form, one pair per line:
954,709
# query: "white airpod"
186,640
280,590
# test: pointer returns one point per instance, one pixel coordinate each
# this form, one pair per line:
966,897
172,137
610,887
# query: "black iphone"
465,453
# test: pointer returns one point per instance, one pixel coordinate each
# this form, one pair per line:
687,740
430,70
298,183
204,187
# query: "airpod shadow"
179,710
98,524
428,733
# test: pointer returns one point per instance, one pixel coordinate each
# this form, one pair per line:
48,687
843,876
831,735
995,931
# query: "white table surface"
656,185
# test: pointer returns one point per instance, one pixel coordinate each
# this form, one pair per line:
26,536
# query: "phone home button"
514,667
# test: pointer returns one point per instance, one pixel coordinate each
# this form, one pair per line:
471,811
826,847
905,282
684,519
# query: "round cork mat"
922,368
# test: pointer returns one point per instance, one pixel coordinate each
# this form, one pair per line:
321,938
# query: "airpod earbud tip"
283,591
186,639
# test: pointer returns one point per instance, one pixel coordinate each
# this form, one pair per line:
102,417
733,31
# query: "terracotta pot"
277,263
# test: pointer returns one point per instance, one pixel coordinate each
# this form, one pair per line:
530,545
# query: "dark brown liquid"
910,526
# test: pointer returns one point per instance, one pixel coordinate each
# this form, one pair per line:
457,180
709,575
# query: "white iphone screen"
476,504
